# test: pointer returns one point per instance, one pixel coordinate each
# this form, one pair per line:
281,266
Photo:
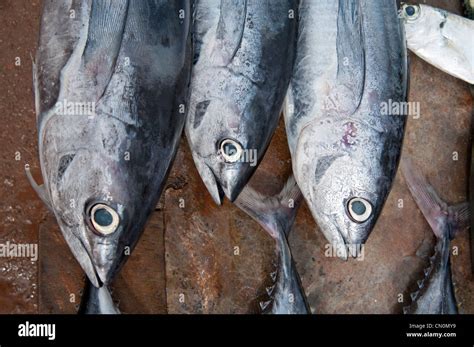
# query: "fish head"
423,24
343,182
96,192
225,145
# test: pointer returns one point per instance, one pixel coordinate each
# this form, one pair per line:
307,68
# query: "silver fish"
344,134
110,77
435,294
242,66
276,215
441,38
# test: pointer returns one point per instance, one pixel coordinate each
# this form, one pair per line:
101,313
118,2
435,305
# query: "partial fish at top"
443,39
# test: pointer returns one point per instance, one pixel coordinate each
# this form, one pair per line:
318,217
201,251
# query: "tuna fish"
110,80
344,113
436,293
276,215
441,38
242,65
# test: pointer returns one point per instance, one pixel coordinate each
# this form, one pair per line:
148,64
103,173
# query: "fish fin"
60,29
350,76
35,86
459,218
104,40
275,214
289,102
264,305
39,189
441,217
229,31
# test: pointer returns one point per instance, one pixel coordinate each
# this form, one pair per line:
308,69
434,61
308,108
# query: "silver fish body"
435,294
441,38
103,171
97,300
345,139
242,66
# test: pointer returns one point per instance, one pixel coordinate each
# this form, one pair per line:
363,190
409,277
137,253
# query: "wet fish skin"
97,300
276,214
441,38
436,293
349,63
130,58
242,66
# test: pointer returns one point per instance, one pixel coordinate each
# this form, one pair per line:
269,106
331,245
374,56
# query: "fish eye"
104,219
230,150
359,210
411,12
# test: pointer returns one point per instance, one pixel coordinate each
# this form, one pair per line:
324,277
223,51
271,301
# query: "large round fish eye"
359,209
230,150
410,12
104,219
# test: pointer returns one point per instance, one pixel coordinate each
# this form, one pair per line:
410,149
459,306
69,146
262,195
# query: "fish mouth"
104,264
336,239
232,186
97,267
213,186
229,186
84,259
229,182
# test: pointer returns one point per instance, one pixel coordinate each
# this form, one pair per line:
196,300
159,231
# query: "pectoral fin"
39,189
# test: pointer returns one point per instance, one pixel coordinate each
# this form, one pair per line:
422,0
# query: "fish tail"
444,220
275,214
97,300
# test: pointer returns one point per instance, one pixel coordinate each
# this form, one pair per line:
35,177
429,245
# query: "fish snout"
104,256
233,181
